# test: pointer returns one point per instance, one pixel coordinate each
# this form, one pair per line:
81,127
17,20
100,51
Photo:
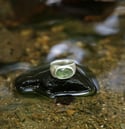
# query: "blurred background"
38,31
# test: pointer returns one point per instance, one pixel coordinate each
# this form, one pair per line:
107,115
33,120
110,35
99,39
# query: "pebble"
122,126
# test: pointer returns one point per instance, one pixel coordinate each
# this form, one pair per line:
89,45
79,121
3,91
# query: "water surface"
104,54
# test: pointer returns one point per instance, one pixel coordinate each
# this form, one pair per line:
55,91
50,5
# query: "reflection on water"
5,68
105,110
109,26
67,49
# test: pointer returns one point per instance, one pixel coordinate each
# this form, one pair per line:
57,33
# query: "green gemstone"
64,73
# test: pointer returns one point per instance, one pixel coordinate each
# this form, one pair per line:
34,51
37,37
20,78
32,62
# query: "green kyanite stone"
64,73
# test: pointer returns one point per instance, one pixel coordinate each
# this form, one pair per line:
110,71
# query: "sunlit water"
102,49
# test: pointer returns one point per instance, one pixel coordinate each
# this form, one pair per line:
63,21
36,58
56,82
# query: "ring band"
63,69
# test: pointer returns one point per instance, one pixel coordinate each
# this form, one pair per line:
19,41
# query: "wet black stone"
40,81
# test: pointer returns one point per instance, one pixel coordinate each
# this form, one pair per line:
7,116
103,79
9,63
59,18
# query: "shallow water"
105,56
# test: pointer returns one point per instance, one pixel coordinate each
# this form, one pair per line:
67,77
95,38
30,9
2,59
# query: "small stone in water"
122,126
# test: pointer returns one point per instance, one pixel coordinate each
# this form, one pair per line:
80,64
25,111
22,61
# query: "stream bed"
103,53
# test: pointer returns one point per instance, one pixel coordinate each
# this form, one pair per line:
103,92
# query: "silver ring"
63,69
